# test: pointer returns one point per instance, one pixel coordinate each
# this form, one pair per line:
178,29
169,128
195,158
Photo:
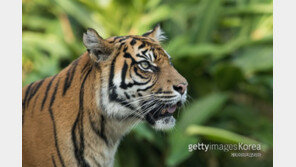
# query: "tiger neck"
102,130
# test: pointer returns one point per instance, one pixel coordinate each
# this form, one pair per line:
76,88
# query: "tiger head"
138,79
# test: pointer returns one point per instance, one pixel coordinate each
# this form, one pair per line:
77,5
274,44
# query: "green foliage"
198,113
222,47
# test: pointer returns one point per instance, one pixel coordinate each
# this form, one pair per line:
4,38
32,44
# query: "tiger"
78,117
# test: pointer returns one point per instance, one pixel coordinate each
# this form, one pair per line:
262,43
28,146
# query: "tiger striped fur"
78,117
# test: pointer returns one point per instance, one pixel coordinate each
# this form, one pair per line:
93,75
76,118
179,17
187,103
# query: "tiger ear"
98,48
156,33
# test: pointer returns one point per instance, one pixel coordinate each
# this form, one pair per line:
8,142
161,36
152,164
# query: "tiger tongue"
172,109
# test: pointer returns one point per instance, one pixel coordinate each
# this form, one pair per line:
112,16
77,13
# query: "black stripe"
133,42
53,161
123,75
120,46
159,90
138,74
111,76
126,95
147,33
24,102
66,84
138,55
155,69
102,132
111,84
141,46
95,128
163,92
54,125
34,105
113,95
26,95
54,94
125,49
138,90
127,55
149,56
84,68
115,38
123,85
154,55
122,39
69,76
46,92
34,91
144,52
78,125
146,41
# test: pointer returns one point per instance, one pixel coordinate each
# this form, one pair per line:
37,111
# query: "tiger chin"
78,116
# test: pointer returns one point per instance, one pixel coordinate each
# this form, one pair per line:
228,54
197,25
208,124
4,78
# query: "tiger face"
139,81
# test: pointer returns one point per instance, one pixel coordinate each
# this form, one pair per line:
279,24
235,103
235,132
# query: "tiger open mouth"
164,113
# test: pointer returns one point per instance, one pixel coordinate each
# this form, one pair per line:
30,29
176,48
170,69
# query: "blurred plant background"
222,47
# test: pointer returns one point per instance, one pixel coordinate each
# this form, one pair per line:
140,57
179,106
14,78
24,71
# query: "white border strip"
284,83
11,83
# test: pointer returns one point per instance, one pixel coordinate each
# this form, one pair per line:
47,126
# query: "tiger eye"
145,64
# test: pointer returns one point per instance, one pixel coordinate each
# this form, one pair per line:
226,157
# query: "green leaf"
144,132
207,24
227,76
178,142
78,12
255,59
48,42
203,109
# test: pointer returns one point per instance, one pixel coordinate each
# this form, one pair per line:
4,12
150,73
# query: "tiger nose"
181,88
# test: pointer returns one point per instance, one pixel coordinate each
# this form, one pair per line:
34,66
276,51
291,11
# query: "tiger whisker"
136,111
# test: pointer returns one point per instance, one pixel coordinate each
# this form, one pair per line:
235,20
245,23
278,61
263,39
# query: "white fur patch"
165,123
167,54
159,34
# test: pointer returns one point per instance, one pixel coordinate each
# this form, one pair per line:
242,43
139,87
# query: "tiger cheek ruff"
78,116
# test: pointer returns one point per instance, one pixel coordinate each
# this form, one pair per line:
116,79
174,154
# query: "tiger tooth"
163,111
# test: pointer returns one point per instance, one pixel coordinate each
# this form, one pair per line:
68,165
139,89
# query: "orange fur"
68,104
